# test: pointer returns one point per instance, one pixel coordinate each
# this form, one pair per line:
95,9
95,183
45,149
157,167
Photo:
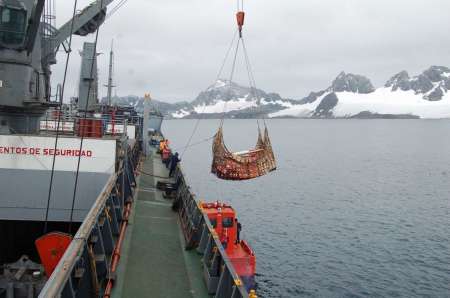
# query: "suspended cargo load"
242,165
249,164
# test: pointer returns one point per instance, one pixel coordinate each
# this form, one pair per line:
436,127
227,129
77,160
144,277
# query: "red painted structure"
240,16
223,219
91,128
51,248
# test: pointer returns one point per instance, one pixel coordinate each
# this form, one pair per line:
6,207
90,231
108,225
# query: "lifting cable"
84,118
240,15
253,90
219,74
233,67
194,144
59,116
116,8
253,82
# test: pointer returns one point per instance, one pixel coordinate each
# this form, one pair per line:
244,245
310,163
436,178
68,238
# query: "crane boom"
28,48
87,21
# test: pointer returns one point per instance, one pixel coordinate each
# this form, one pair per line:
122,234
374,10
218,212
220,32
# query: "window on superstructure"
227,222
12,26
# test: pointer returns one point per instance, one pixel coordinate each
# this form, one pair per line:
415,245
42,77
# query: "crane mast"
26,55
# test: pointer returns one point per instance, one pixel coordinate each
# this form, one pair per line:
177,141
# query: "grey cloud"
174,48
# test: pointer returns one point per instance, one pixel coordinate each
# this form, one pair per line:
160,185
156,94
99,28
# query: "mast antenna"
110,85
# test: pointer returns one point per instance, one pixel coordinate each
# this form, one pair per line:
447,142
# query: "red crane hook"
240,16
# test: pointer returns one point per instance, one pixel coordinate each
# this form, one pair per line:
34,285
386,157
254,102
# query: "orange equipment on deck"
91,128
51,248
223,219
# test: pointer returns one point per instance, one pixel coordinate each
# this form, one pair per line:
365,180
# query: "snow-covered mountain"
234,100
352,96
224,96
349,96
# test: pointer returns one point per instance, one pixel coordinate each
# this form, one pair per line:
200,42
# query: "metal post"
110,76
145,140
125,130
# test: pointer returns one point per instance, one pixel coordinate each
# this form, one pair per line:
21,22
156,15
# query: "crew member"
167,158
164,144
239,228
161,146
174,160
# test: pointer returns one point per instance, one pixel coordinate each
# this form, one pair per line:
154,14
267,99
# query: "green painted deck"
154,262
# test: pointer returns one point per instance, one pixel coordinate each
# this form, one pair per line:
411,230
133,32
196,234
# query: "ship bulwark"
25,170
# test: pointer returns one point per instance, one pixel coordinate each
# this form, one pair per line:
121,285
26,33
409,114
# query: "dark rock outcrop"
421,84
435,73
370,115
312,97
432,83
435,95
400,81
351,83
324,109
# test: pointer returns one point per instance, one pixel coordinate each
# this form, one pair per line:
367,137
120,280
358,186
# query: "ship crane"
28,48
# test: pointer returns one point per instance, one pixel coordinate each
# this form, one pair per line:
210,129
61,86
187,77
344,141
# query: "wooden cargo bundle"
242,165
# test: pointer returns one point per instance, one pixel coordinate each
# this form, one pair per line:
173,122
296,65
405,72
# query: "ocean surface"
357,208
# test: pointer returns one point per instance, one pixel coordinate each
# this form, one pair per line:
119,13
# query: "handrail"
57,281
85,264
204,232
60,284
236,278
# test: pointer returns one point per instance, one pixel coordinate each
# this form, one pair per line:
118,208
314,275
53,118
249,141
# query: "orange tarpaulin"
242,165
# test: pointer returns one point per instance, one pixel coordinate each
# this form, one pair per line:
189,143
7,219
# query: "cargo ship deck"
164,246
153,259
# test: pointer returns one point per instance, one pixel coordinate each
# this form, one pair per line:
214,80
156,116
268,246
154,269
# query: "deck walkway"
154,262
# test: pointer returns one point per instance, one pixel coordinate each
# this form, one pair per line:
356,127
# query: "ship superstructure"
53,164
75,175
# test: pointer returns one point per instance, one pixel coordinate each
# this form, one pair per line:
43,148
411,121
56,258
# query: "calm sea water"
357,208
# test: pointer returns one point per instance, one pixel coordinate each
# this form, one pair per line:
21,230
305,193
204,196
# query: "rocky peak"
400,81
437,73
220,83
421,84
433,83
432,78
224,90
351,83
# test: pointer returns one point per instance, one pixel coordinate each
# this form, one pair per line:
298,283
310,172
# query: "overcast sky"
174,48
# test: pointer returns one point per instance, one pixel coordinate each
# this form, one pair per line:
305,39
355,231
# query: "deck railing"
69,125
84,269
221,279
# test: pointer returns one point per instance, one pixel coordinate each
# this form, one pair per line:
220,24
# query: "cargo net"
242,165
